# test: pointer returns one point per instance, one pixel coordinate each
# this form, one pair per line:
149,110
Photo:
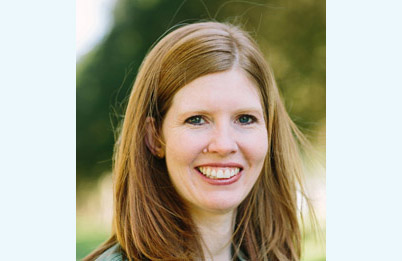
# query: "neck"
216,231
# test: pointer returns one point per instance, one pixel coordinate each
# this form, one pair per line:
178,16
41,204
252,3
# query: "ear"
151,138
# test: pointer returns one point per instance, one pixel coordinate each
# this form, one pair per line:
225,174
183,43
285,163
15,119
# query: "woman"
207,163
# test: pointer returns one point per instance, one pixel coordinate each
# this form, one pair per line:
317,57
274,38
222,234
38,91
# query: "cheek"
182,148
184,142
255,147
255,151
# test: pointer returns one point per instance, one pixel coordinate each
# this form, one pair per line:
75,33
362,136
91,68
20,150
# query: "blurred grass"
88,240
314,246
87,244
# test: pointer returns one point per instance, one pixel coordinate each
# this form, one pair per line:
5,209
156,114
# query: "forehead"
219,91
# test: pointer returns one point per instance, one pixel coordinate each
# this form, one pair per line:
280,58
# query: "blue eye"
247,119
195,120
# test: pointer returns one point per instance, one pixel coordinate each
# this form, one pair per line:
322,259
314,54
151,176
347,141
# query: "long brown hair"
150,219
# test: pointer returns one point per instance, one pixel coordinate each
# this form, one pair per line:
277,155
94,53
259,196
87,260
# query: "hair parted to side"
150,219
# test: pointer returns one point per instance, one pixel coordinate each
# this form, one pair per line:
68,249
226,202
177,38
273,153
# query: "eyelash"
199,119
252,119
196,117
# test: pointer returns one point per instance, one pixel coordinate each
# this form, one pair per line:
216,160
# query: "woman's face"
215,140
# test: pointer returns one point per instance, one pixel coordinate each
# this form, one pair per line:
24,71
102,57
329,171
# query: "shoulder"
112,254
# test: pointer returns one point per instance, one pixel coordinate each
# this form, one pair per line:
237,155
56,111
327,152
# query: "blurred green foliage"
291,35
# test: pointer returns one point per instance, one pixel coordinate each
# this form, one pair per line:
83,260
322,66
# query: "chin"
222,206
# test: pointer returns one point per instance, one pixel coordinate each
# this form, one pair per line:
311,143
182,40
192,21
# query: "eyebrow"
252,110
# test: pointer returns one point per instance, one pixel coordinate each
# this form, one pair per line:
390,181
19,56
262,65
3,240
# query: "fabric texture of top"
112,254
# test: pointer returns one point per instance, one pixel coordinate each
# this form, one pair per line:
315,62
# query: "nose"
223,141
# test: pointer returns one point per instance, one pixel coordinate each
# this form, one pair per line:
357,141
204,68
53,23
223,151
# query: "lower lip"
220,181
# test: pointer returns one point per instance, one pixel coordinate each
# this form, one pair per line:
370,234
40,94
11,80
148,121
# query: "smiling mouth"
218,173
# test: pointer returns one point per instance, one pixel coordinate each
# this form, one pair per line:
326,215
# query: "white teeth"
213,173
219,173
227,173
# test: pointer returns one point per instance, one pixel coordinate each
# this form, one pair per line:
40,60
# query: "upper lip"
221,165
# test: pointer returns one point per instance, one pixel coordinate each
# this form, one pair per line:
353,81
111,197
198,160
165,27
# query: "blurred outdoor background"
113,37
